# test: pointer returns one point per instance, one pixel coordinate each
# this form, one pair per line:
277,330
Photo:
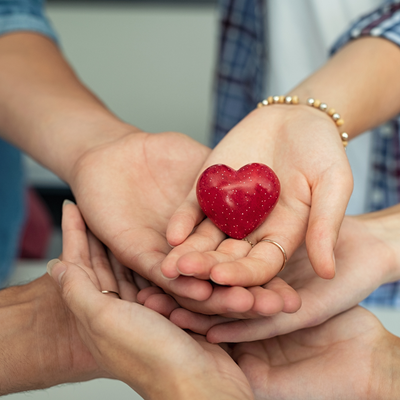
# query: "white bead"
323,107
344,136
310,101
288,99
264,102
335,116
276,99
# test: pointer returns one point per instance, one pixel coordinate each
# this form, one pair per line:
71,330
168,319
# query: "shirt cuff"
383,22
27,22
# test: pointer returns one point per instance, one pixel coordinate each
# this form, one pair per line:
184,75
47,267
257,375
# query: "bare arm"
44,109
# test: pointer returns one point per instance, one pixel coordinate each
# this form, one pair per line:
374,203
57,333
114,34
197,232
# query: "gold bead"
331,111
281,99
270,99
345,143
295,99
317,103
340,122
259,105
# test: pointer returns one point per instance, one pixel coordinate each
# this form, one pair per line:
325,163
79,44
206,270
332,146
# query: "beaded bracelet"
313,103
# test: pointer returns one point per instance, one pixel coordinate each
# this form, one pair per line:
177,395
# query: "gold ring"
110,292
248,241
280,248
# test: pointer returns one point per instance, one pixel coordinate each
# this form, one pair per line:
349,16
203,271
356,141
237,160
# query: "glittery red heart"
238,202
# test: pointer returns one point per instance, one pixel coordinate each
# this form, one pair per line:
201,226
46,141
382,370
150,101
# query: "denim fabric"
384,181
25,15
239,86
11,206
240,79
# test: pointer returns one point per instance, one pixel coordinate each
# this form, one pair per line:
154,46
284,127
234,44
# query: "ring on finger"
280,248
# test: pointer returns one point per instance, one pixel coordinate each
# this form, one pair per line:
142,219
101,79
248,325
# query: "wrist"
73,142
385,227
385,374
38,340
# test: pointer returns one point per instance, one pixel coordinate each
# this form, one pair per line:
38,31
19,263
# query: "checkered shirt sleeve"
240,75
384,180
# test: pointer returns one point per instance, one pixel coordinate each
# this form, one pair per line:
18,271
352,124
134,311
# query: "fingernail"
184,274
66,201
50,267
169,279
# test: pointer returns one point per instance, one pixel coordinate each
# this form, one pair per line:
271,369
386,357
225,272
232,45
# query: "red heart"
238,202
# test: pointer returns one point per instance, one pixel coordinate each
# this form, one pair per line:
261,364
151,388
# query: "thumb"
77,289
184,220
329,202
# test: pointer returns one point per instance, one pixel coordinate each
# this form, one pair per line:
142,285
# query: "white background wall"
152,65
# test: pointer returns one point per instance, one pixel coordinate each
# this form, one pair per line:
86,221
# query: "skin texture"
367,256
146,344
133,179
40,345
302,145
350,356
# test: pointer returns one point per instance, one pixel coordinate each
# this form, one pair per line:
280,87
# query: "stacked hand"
127,191
128,341
367,256
303,147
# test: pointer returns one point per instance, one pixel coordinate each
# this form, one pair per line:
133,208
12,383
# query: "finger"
265,259
183,221
80,294
330,198
101,265
291,299
190,288
267,302
223,300
161,303
126,285
144,294
206,237
139,281
195,322
75,240
199,264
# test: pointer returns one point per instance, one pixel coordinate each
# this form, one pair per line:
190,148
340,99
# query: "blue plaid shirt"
240,84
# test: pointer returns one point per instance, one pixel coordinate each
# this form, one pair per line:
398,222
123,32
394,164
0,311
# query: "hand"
135,183
131,342
303,147
39,343
348,357
367,256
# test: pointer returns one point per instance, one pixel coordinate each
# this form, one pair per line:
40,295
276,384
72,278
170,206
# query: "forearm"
44,109
361,82
36,340
385,227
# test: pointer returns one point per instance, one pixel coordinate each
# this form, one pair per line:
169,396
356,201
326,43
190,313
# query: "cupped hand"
131,342
348,357
303,147
367,256
128,189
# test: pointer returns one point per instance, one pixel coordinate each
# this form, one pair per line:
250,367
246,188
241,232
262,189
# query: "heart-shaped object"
238,202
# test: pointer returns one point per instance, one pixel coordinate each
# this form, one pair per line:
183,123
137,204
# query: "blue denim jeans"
12,194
